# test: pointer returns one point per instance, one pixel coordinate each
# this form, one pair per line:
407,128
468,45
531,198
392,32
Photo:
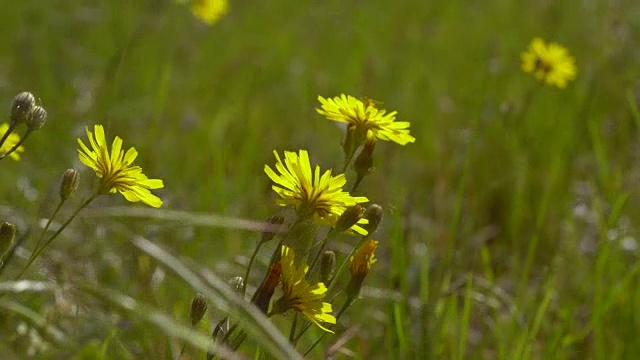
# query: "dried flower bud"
69,184
7,234
361,263
327,266
374,215
262,296
275,220
36,118
349,217
21,107
363,165
198,309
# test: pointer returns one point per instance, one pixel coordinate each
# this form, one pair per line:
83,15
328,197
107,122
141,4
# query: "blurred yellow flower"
10,142
312,195
116,172
550,63
209,11
298,294
367,120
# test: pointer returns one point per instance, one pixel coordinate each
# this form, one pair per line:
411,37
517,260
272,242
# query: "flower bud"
36,118
327,266
237,284
262,296
21,107
276,221
361,263
69,184
363,165
374,215
7,234
349,217
198,309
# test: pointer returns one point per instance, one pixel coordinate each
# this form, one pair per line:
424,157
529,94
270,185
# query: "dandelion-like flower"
10,142
209,11
116,171
298,294
369,121
361,263
550,63
311,194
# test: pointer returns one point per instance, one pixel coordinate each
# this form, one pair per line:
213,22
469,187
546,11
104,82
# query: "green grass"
508,225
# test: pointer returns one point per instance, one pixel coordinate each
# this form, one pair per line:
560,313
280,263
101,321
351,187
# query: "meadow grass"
509,226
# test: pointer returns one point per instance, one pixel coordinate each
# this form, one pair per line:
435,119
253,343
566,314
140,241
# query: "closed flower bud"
237,284
7,234
198,309
262,296
327,266
276,221
374,215
69,184
21,107
349,217
36,118
363,165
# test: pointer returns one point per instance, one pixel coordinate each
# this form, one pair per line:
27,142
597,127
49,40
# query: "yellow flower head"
361,263
209,11
116,172
10,142
298,294
550,63
368,120
310,193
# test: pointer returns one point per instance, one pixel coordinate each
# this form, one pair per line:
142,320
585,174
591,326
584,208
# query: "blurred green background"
510,224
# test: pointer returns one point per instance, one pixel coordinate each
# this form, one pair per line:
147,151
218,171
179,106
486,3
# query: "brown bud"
327,266
363,165
374,215
349,217
7,234
198,309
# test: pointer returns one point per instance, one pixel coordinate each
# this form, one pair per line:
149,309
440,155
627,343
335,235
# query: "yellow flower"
312,195
366,119
209,11
361,263
10,142
298,294
550,63
116,171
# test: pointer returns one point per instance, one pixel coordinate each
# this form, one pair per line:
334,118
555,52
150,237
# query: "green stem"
37,252
342,310
246,274
46,227
324,245
292,332
357,183
332,283
12,126
348,158
2,156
